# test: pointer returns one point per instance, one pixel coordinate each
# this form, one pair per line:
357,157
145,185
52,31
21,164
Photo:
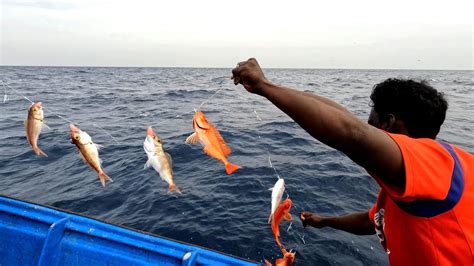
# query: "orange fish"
33,126
282,212
89,152
287,260
212,141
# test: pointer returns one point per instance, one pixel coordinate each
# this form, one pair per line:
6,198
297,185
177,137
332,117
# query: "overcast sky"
203,33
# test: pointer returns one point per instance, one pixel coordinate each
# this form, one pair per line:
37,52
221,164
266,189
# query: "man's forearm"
355,223
333,125
320,117
326,101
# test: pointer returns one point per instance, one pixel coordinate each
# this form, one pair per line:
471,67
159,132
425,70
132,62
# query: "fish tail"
173,187
38,151
104,177
230,168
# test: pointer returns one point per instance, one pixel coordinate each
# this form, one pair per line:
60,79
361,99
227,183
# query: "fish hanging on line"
287,260
277,194
89,152
33,126
212,141
282,212
159,159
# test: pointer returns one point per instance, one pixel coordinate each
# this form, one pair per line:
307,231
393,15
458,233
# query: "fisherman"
424,211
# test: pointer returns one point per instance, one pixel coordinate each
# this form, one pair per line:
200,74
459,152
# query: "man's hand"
311,219
250,75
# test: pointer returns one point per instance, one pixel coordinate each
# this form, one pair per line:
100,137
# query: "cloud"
50,5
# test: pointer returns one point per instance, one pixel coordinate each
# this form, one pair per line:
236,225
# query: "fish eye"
34,110
77,137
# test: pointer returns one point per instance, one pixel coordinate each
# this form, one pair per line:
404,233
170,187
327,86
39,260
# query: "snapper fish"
287,260
277,194
33,126
159,159
212,141
89,152
282,212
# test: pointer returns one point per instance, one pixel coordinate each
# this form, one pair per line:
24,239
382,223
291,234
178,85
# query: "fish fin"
287,216
207,151
98,146
267,263
104,178
230,168
192,139
28,139
147,164
222,144
83,158
270,217
38,151
46,126
170,160
271,189
173,187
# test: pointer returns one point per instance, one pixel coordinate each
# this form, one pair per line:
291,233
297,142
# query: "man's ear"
388,122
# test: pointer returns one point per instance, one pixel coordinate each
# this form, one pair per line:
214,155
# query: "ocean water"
227,213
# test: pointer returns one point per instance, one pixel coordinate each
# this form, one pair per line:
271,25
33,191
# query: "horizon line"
219,67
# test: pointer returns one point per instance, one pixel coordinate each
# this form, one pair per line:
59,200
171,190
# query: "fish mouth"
150,132
74,128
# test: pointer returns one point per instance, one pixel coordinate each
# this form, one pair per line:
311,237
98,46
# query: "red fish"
212,141
282,212
287,260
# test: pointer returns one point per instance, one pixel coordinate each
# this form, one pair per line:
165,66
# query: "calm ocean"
218,211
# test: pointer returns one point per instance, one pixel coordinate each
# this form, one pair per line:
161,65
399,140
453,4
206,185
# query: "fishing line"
49,109
15,91
5,97
209,98
302,235
105,131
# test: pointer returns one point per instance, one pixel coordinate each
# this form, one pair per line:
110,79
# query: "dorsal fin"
170,161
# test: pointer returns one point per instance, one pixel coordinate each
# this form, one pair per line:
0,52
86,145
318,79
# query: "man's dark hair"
420,106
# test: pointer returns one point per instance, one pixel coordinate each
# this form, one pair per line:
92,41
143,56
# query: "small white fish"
277,193
159,159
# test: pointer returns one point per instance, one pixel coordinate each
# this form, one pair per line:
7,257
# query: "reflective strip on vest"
431,208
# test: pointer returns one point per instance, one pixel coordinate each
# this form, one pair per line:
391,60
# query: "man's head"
408,107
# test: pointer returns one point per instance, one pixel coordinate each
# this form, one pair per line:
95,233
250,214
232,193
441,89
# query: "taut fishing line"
259,118
51,110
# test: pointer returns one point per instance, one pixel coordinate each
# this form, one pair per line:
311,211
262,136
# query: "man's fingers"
236,80
305,215
235,75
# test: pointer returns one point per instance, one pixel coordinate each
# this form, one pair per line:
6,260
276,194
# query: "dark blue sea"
227,213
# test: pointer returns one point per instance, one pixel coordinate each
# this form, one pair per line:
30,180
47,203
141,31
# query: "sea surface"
223,212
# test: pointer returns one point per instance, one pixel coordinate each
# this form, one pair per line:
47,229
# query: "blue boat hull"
32,234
